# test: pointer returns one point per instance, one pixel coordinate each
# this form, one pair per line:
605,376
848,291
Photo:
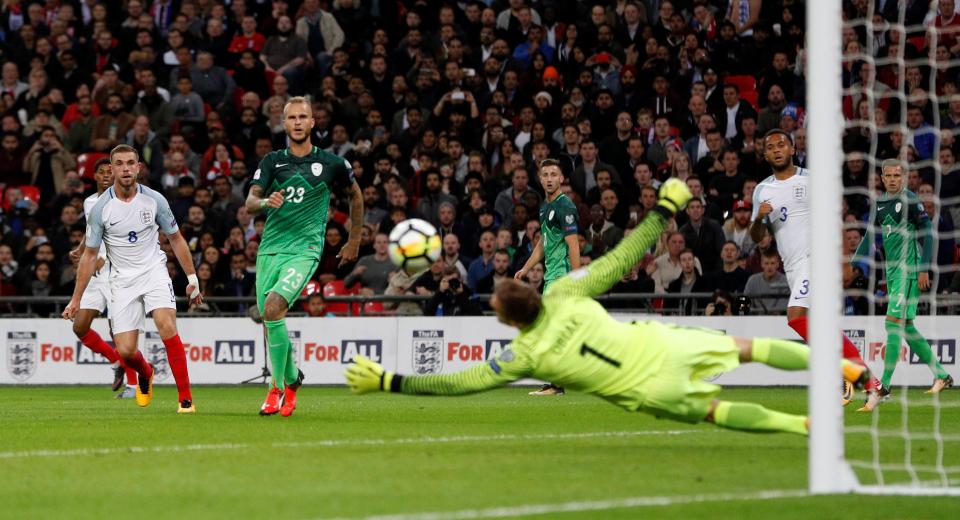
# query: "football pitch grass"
75,452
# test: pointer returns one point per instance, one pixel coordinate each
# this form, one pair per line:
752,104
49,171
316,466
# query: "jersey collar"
313,150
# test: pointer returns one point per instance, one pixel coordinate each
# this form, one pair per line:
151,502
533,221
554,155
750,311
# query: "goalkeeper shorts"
680,390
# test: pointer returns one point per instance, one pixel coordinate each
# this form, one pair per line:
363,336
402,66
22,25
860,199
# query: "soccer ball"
414,245
848,392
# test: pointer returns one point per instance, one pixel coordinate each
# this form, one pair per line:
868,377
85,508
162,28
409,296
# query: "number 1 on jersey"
587,349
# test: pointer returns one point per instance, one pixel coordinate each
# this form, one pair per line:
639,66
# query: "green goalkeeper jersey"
299,226
558,219
574,342
902,221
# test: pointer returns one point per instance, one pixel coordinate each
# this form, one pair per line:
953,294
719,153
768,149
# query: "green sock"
292,371
780,353
918,344
892,351
755,418
279,341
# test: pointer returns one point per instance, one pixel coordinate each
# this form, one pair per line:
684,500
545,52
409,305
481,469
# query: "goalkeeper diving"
652,367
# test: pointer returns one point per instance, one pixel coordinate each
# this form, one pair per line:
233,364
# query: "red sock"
138,364
94,342
799,325
178,365
850,352
131,375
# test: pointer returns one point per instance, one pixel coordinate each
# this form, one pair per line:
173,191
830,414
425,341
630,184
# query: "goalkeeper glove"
364,375
674,195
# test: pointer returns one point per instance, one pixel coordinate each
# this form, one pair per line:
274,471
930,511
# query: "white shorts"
799,279
130,304
97,295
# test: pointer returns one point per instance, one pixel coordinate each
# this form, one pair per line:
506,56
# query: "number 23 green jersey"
300,225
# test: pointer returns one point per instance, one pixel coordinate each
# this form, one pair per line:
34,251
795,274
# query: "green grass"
503,463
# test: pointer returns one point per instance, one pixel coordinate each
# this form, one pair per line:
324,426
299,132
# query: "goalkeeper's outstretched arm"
470,381
365,376
598,277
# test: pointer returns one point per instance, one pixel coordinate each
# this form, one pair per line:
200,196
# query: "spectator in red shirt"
248,39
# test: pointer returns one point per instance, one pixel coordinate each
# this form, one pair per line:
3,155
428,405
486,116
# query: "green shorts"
283,274
679,390
904,297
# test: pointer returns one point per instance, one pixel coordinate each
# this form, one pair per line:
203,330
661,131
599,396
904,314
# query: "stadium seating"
86,162
744,82
337,288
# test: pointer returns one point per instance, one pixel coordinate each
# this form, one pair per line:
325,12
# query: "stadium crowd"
444,109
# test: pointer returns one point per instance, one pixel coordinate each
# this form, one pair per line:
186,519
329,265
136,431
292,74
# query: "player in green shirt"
299,180
648,366
558,242
902,220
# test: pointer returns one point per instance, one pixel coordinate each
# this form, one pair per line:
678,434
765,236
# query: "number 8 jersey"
300,225
790,217
129,230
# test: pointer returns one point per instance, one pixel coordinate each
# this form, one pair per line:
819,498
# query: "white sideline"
581,506
81,452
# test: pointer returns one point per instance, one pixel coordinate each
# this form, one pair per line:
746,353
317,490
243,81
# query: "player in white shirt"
127,218
95,298
782,204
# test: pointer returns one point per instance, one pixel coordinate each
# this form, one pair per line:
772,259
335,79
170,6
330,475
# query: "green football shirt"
300,225
574,342
558,219
902,221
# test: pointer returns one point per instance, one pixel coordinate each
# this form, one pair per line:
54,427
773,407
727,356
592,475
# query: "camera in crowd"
724,304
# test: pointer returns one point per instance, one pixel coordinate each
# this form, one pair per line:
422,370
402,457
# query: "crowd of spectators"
444,110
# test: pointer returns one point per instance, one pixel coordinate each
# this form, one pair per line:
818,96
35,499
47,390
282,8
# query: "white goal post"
829,472
829,469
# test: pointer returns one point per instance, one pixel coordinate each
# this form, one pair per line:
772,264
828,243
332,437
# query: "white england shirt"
129,230
88,205
790,217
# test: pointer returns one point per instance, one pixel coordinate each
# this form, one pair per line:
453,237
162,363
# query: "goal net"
883,86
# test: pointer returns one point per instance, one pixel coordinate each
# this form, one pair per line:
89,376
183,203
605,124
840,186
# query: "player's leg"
128,316
278,337
92,340
790,355
918,344
267,276
752,417
797,319
166,320
289,275
93,303
895,330
130,391
799,281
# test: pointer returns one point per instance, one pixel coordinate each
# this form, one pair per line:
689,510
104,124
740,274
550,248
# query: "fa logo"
799,192
316,169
